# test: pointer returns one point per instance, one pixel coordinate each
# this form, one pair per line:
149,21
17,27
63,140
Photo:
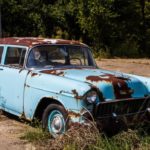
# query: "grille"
122,107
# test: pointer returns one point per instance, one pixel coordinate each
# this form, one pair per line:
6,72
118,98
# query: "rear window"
15,56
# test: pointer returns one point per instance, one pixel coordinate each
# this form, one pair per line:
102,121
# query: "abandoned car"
58,82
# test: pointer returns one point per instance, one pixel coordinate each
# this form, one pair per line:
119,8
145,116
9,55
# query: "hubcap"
56,123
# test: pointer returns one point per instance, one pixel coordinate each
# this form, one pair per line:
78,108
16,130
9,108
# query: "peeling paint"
73,114
32,41
119,84
54,72
34,74
76,94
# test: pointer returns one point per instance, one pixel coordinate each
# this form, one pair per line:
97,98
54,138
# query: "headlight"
91,97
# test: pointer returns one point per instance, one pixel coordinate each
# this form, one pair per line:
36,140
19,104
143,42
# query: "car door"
12,79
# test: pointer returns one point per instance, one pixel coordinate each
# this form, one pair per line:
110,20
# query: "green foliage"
128,48
35,135
102,53
95,18
99,23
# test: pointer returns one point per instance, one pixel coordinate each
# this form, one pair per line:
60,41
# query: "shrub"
129,48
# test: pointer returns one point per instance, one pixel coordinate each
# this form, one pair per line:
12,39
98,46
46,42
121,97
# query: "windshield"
59,55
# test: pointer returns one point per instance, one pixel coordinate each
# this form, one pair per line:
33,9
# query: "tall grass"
81,137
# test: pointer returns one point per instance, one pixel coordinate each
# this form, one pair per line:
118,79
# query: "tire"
54,119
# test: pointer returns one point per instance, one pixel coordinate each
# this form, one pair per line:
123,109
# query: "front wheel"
55,119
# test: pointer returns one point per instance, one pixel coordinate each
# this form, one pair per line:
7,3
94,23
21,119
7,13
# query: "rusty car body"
58,82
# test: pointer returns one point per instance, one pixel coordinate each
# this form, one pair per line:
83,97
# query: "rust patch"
28,72
94,78
32,41
34,74
60,71
121,89
107,78
54,72
76,94
67,42
73,114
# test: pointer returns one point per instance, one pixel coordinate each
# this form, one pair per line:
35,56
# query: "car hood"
112,85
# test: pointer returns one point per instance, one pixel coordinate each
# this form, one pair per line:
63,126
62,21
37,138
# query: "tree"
119,27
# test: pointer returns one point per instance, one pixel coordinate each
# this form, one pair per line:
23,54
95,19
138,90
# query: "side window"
15,56
1,52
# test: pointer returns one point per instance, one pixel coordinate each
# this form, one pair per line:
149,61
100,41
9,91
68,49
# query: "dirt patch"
132,66
10,133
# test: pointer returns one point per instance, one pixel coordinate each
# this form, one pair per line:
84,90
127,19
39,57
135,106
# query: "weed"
85,137
35,135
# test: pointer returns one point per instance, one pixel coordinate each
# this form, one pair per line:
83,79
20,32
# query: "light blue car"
58,82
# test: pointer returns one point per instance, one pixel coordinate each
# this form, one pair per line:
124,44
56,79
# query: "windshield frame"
90,57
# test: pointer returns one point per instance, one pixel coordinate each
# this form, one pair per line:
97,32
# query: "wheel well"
42,106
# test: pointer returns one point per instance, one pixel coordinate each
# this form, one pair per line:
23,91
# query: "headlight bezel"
91,97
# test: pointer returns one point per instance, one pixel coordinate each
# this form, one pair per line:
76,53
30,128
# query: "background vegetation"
111,27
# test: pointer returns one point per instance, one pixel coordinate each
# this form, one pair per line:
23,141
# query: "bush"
128,48
102,53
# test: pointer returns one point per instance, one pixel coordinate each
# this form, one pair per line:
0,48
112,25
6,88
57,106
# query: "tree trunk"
143,28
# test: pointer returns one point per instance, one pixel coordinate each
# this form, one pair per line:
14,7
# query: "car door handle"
1,69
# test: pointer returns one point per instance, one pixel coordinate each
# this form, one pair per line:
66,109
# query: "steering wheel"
75,58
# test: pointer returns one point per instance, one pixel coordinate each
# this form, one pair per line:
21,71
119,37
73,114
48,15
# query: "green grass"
36,135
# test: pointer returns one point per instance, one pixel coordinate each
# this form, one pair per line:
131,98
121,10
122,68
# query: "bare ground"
132,66
11,129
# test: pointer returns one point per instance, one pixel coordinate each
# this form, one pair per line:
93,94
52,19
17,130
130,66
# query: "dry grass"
77,137
83,137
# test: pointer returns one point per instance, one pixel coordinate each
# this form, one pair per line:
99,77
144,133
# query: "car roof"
33,41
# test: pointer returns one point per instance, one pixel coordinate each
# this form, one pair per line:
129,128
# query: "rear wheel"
55,119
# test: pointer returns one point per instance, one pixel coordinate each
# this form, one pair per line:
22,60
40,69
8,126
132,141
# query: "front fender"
144,80
67,91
